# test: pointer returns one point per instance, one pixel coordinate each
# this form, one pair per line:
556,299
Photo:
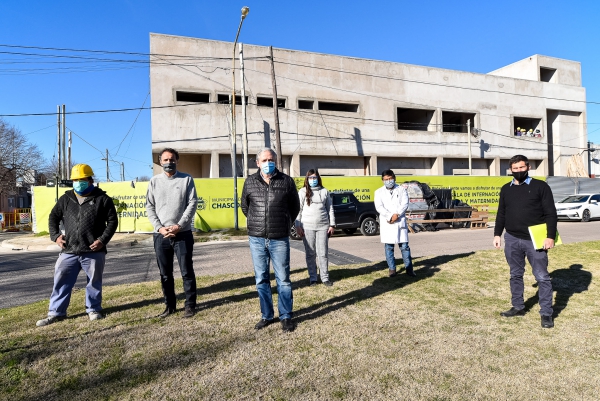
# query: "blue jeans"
405,250
516,250
66,271
277,251
166,249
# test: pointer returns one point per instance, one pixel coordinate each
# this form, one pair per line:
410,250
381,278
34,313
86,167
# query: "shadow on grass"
566,283
424,269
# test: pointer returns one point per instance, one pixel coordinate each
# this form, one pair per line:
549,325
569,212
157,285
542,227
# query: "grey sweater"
319,215
171,200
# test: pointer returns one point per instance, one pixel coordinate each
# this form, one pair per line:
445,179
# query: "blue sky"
477,36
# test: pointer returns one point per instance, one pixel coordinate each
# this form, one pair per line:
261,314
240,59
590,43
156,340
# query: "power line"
132,125
433,83
120,52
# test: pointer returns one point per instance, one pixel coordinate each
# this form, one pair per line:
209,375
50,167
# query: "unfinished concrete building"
351,116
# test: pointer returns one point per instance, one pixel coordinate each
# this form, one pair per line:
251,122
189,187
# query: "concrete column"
372,166
295,165
437,167
495,167
214,164
542,168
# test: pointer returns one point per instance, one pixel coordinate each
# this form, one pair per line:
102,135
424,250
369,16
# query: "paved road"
27,276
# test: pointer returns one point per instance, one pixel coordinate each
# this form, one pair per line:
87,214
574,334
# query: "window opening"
224,99
547,74
268,102
415,119
527,127
192,97
306,104
456,122
334,106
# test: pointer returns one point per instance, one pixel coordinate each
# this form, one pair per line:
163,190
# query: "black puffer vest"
270,209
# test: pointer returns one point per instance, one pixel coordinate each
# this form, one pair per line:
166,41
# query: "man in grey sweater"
171,204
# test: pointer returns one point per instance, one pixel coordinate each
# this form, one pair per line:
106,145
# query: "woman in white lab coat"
391,202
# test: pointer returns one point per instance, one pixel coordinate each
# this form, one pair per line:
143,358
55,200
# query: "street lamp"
245,11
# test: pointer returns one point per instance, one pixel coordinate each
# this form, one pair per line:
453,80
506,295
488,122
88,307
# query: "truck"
351,215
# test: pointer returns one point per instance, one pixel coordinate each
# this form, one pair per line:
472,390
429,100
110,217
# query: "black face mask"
520,176
169,167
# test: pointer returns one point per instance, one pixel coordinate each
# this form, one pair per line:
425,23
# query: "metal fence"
564,186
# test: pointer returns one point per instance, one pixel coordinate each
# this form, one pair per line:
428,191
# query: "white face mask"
389,184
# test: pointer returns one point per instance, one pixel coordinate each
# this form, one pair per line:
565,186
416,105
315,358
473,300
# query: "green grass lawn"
369,337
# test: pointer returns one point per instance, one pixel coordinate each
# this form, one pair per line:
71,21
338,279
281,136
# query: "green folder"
539,233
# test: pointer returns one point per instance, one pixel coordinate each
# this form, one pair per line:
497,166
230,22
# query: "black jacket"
96,218
270,209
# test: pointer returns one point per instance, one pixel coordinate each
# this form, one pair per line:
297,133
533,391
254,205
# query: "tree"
19,159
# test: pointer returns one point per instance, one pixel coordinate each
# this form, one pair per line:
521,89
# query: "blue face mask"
389,184
313,182
80,186
267,168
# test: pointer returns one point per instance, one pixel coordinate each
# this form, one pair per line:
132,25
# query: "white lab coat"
388,204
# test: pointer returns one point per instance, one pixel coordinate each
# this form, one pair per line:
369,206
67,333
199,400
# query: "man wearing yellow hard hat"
90,220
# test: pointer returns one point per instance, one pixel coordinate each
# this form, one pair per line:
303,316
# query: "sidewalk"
29,242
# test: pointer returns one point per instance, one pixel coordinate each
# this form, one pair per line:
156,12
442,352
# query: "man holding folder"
526,202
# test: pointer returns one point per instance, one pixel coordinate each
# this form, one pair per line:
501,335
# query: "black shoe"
513,312
168,311
190,311
411,273
262,323
287,325
327,283
392,273
547,322
312,283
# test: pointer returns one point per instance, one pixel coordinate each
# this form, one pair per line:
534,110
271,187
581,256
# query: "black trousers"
181,246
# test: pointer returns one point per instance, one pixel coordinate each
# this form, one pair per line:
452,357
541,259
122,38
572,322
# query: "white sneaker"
95,315
49,320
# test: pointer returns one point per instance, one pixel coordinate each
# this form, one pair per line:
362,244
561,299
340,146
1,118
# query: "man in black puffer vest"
270,202
90,220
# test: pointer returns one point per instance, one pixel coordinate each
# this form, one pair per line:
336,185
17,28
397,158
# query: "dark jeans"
516,250
182,246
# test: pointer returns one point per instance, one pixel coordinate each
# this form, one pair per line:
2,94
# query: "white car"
582,207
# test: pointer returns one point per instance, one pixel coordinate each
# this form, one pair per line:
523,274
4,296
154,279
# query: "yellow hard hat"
80,171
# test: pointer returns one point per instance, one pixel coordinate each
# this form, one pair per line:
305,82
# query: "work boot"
392,273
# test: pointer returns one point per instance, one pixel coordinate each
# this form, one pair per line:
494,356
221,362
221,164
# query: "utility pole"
469,135
233,161
64,143
59,164
122,171
276,115
69,159
244,123
107,170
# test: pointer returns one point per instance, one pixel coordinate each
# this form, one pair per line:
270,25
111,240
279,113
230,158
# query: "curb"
21,247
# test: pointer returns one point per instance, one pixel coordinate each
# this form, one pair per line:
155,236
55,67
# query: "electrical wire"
132,125
321,68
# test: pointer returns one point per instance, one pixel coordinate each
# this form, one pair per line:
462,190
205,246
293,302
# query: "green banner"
216,201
